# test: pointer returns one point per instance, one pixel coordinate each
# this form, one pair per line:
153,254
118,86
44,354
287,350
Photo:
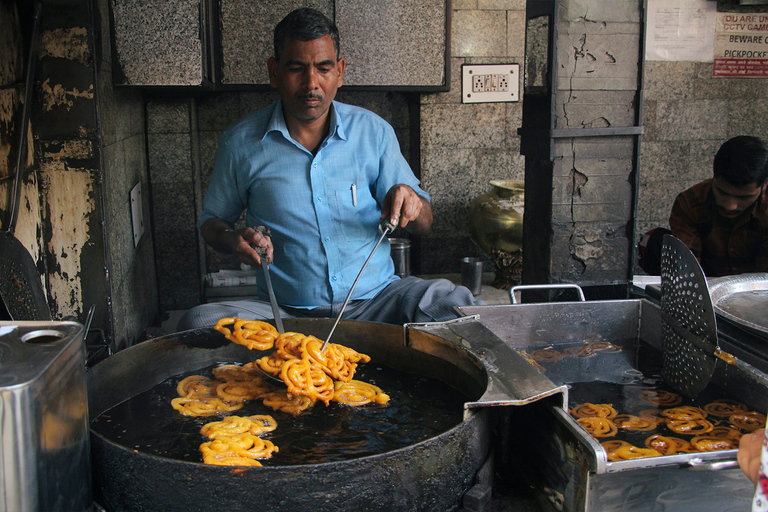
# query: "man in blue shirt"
321,176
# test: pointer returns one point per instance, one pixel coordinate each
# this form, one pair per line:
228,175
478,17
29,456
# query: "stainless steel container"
400,248
44,439
566,466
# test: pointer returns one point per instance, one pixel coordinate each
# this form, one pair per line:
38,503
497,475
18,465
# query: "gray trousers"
408,300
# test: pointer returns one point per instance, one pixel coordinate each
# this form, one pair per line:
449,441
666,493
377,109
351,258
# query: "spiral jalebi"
253,334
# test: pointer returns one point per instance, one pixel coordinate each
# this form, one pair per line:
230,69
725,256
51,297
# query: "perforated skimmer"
688,320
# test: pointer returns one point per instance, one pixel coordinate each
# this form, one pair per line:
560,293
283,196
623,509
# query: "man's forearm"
214,232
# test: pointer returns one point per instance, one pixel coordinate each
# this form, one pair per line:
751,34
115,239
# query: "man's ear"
272,68
341,65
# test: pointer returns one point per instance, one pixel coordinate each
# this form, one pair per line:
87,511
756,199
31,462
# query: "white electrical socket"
490,83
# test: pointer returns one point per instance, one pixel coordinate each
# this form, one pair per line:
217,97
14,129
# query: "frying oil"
419,408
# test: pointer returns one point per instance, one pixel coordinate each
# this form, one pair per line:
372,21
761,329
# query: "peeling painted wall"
86,150
68,222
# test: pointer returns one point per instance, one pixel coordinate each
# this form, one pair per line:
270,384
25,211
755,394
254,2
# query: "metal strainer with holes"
688,320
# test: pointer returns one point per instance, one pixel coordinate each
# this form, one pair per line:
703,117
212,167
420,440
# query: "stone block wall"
465,146
584,227
130,266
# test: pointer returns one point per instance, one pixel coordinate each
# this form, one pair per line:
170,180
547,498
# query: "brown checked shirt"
722,246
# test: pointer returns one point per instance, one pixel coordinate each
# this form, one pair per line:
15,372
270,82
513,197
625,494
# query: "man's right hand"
240,242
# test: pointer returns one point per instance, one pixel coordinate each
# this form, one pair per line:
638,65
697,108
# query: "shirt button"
333,278
327,239
319,199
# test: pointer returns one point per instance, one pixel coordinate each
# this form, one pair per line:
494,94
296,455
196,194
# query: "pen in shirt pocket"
354,195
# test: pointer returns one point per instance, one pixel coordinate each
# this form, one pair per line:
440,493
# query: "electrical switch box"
490,83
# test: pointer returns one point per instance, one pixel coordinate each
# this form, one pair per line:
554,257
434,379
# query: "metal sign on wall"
741,45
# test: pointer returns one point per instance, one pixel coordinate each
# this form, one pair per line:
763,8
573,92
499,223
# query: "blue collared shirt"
323,210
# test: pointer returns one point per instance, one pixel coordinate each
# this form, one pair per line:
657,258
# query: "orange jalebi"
233,425
749,420
598,426
612,444
292,404
190,406
667,445
547,355
198,397
306,369
653,414
589,410
726,433
629,452
303,378
724,407
356,392
196,385
660,397
685,412
603,346
580,351
691,427
712,443
241,390
234,450
632,422
235,441
253,334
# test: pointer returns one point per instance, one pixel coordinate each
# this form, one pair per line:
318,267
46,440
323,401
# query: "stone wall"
130,265
464,146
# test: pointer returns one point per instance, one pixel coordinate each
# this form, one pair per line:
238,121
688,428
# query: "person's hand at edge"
750,451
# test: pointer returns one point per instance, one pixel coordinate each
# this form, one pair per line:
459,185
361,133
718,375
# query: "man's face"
307,77
732,200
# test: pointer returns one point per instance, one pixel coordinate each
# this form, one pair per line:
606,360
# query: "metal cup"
472,274
401,256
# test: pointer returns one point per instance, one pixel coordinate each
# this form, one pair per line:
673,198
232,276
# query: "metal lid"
743,300
28,349
688,320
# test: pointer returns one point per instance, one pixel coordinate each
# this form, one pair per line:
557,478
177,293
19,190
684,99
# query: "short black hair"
742,161
305,24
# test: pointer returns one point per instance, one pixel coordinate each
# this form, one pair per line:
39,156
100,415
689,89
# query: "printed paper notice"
680,30
741,45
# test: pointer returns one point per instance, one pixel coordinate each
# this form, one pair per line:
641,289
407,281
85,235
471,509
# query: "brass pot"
496,226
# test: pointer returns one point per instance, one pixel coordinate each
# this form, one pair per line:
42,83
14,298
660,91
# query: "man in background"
723,220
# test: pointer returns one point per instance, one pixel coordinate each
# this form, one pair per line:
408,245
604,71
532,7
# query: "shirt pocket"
355,213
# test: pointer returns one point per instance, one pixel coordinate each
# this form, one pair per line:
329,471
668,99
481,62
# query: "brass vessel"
496,226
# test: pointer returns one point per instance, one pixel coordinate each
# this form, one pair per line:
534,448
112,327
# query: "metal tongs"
385,227
262,252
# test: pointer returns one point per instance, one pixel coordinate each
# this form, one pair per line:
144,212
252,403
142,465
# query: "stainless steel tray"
742,300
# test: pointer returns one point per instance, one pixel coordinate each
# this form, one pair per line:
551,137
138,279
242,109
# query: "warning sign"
741,45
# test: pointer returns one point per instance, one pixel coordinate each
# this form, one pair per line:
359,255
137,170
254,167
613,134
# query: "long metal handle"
698,464
388,228
25,112
272,299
